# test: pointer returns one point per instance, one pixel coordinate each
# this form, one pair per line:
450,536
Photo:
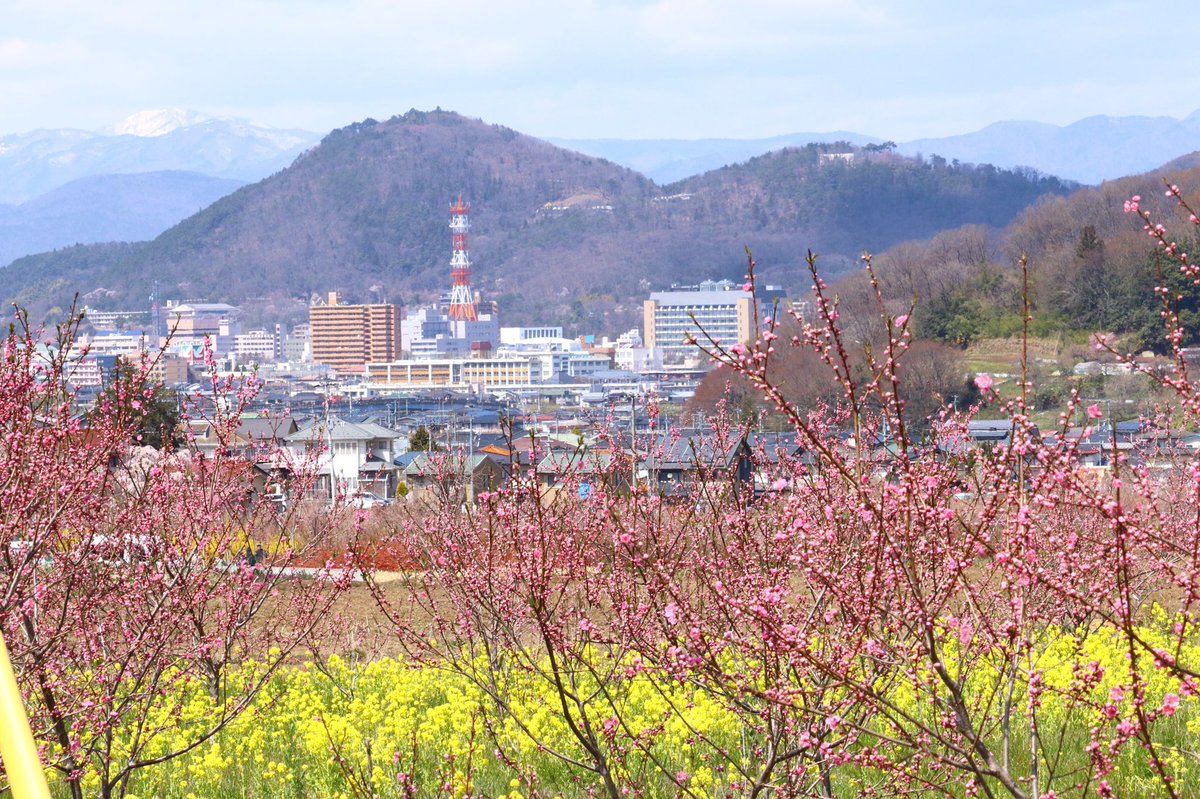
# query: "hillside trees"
1087,273
123,594
935,378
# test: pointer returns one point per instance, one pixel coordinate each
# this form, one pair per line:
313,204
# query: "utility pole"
633,436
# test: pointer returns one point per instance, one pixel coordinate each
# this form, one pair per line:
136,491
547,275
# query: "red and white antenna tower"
462,301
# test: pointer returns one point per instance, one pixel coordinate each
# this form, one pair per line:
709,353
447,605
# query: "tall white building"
670,317
257,346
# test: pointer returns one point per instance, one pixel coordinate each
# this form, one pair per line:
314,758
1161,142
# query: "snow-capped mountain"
34,163
159,122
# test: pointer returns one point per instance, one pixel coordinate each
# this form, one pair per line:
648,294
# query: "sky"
625,69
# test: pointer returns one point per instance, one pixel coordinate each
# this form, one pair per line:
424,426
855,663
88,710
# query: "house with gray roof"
351,457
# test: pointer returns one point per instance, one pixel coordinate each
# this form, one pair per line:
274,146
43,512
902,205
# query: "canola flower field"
389,728
400,730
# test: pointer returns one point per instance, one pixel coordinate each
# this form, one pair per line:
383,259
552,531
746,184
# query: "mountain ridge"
180,140
366,211
1088,151
102,208
36,162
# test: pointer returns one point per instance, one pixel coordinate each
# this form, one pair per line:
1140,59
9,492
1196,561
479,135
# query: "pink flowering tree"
895,609
508,595
126,597
953,594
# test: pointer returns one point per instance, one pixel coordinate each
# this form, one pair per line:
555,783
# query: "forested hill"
851,199
1091,268
554,234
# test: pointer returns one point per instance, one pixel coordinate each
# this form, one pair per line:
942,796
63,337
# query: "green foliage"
953,317
421,441
152,410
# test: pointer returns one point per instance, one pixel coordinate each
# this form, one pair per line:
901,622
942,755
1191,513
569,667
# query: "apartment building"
348,337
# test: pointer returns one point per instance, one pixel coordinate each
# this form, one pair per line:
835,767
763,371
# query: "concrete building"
530,335
630,355
130,344
297,345
109,321
91,371
467,373
169,369
348,337
430,332
669,318
190,323
256,346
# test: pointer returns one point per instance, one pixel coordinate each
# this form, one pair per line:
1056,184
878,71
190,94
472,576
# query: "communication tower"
155,316
462,301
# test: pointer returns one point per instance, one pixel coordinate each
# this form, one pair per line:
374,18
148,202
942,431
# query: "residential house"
352,458
453,477
256,437
675,463
586,469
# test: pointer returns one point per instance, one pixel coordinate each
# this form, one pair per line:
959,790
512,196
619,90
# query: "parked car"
364,501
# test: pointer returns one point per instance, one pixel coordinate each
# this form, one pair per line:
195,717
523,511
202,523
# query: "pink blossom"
902,320
1170,704
1094,412
983,382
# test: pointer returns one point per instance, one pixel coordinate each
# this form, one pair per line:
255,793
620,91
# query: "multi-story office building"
530,335
297,345
671,317
191,324
430,332
348,337
129,344
257,346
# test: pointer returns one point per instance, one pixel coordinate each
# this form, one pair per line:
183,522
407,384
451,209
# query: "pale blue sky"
601,68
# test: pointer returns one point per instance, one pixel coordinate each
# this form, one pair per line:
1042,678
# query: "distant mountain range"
667,161
1089,151
555,234
34,163
183,148
106,208
65,187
